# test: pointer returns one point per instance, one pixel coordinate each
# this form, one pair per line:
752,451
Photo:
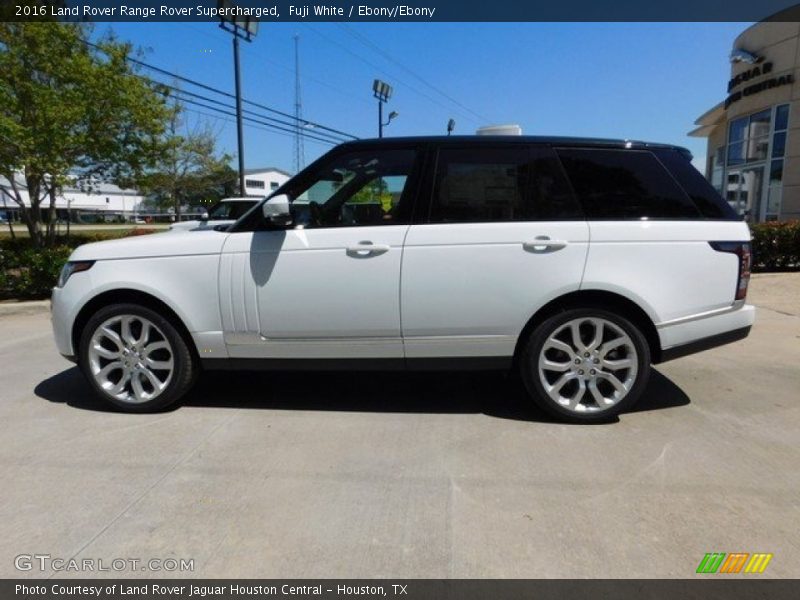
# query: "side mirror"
204,216
277,211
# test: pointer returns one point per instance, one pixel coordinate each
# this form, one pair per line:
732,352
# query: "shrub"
776,246
28,273
31,272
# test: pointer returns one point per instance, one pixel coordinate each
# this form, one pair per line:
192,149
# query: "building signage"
755,88
756,71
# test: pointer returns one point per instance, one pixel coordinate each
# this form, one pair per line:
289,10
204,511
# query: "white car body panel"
465,290
469,289
668,268
181,271
301,294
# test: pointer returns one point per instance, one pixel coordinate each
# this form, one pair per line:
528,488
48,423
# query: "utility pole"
299,151
246,29
239,132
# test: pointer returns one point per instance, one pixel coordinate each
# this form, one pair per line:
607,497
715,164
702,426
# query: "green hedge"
776,246
29,273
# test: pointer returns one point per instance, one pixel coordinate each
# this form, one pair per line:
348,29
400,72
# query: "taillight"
743,251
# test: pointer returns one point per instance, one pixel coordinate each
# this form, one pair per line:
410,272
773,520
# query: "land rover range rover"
577,262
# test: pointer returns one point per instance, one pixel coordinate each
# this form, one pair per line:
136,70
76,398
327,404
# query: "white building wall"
262,182
106,198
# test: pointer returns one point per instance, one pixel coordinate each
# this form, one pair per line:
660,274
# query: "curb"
12,308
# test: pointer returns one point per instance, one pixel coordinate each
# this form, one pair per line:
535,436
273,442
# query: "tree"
188,170
71,113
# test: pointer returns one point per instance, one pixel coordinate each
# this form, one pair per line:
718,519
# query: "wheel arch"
612,301
128,296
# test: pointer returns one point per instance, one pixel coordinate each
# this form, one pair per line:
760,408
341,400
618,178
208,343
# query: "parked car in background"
223,213
577,263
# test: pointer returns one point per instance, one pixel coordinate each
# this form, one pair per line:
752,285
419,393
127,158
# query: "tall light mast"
299,151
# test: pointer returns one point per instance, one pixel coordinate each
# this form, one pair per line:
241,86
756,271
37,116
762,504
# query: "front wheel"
135,358
585,365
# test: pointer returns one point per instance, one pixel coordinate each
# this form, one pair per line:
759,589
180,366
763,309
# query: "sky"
644,81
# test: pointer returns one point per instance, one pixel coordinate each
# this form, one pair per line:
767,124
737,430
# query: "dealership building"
753,156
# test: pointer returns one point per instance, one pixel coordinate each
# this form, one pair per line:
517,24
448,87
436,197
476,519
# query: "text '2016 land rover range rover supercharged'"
578,263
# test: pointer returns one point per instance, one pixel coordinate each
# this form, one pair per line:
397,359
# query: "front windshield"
231,210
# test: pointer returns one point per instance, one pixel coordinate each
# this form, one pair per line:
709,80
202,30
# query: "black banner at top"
403,10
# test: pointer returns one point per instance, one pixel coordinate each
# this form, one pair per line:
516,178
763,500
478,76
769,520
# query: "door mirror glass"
277,211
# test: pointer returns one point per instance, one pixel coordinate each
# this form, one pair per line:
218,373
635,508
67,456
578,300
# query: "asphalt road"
449,475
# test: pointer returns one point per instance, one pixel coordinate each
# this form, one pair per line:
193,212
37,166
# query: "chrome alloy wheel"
588,365
131,359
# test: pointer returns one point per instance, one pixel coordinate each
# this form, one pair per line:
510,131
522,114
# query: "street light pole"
382,91
239,132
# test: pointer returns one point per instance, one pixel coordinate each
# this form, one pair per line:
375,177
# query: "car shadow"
492,394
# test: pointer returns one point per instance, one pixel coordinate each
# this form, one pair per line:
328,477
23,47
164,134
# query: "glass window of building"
717,169
754,157
775,189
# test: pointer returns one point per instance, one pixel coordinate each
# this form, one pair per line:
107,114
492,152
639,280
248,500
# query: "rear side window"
705,197
500,184
625,185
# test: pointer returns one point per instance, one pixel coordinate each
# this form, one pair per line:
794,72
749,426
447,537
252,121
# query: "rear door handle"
543,243
367,248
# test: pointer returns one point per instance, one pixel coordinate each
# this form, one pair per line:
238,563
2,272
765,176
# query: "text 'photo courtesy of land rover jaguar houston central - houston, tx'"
577,263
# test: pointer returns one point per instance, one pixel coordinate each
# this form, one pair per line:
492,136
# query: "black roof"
522,139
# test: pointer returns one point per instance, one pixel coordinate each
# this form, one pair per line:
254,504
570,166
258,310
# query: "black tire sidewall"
529,371
184,369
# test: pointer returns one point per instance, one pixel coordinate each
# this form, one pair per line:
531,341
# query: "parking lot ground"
408,475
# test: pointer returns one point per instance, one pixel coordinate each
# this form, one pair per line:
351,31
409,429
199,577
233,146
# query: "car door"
327,286
502,237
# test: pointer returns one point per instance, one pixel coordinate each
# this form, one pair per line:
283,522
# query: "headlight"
73,267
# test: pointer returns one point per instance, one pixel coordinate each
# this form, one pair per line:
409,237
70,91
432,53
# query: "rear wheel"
135,358
585,365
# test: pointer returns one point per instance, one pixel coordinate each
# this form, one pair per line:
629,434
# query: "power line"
255,120
329,137
389,75
250,102
204,86
248,124
308,78
374,47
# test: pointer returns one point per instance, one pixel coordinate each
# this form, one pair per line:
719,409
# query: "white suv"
578,263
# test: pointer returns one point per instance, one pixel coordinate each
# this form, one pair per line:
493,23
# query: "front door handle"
366,248
543,243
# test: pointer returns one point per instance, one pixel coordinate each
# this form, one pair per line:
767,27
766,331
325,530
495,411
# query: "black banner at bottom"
407,589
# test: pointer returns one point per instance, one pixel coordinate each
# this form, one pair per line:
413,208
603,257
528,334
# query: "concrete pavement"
435,475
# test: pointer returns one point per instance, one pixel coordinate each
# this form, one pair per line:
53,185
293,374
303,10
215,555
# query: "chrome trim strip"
711,313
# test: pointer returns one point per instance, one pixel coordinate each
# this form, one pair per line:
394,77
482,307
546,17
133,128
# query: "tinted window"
516,183
625,184
705,197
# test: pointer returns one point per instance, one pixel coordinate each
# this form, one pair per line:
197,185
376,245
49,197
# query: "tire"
609,376
153,366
